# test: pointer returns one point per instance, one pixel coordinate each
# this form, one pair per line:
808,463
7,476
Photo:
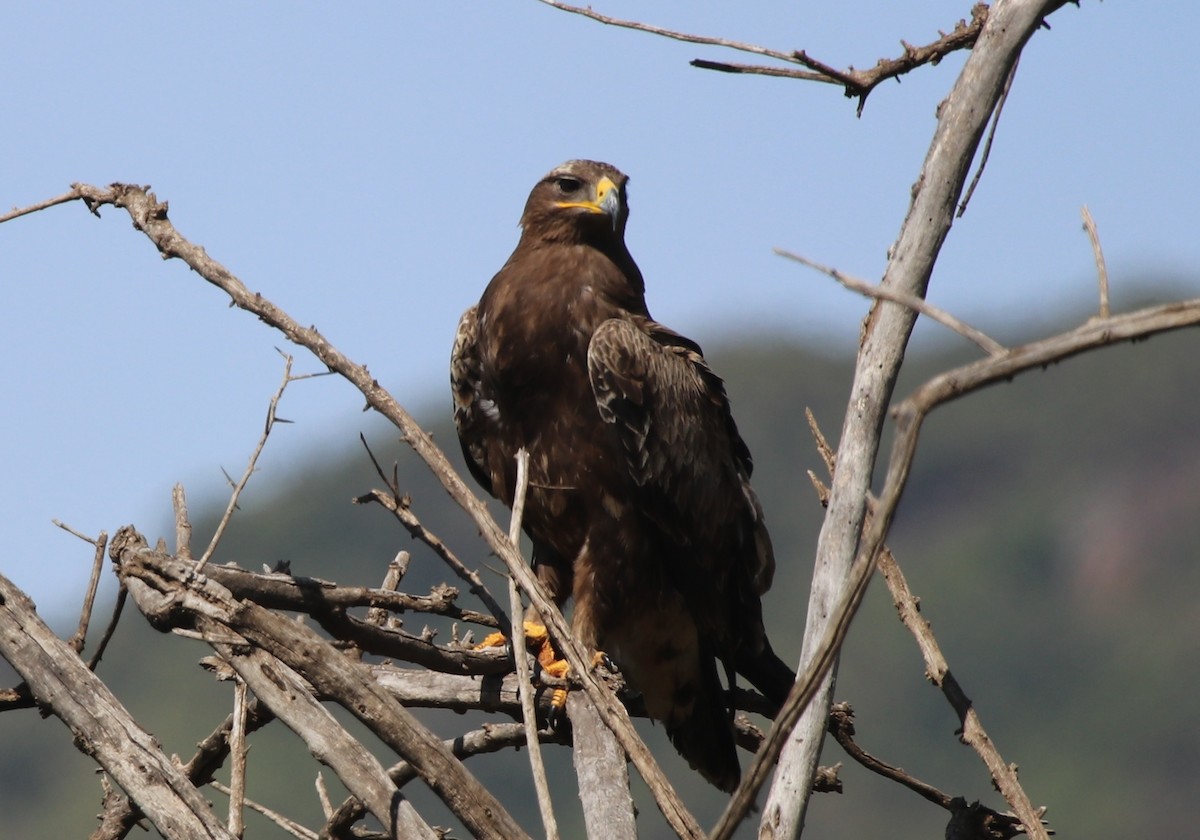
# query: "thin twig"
673,35
855,83
937,669
399,506
109,630
524,683
323,795
1089,225
989,345
841,726
987,144
73,532
183,526
78,640
761,70
41,205
290,826
241,485
237,754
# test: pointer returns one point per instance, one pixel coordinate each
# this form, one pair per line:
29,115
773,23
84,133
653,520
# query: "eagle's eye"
567,184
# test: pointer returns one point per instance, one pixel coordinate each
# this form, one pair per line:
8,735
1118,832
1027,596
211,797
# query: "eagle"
639,504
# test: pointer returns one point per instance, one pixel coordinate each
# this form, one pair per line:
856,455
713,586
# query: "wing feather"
672,416
473,415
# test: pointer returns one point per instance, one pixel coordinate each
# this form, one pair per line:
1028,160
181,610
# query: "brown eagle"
639,502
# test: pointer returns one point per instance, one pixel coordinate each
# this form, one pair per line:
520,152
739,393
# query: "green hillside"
1051,528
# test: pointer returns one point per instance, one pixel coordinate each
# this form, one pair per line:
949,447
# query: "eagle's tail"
768,673
703,734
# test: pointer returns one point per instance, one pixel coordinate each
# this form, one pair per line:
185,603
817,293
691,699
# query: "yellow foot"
538,638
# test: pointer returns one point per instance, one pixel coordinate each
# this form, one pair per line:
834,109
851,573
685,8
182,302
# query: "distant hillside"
1051,528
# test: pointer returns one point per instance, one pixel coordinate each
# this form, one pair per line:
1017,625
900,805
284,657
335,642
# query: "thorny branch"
855,83
400,506
998,826
986,342
269,425
937,669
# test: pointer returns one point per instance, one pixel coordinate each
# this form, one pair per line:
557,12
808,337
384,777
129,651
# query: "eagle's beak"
607,201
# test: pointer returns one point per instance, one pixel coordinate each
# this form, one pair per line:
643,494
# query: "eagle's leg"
556,577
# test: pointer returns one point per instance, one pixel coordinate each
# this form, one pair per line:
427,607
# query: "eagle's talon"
557,716
602,660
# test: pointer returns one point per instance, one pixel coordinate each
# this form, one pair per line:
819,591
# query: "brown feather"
639,505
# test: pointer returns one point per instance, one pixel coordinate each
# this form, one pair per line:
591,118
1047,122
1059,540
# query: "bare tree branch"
937,669
399,505
64,686
840,578
989,345
672,34
237,751
169,595
272,407
290,826
910,414
1089,225
603,776
855,83
282,690
521,660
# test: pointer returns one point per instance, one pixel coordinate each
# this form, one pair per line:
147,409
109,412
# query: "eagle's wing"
472,413
682,447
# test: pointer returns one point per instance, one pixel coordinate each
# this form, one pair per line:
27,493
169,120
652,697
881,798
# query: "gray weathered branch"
169,596
837,586
62,684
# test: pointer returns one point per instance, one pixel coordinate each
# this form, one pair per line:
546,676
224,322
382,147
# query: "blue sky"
364,166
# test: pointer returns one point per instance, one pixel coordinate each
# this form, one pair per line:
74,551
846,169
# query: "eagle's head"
578,201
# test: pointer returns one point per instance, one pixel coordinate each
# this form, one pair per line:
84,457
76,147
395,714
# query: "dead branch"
937,669
290,826
282,690
521,661
308,594
841,573
400,506
237,752
170,596
391,579
63,686
602,773
1089,225
841,726
272,407
120,814
919,304
855,83
910,414
999,826
491,738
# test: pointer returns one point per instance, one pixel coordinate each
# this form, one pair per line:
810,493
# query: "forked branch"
857,84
